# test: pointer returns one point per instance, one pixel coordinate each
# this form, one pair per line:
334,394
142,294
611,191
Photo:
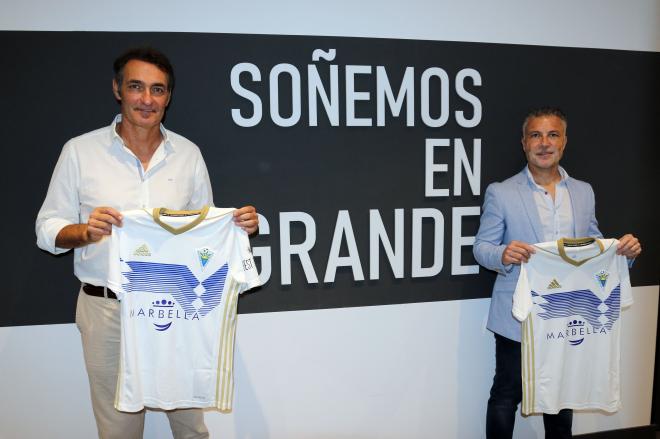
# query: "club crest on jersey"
204,255
142,250
162,304
575,332
601,277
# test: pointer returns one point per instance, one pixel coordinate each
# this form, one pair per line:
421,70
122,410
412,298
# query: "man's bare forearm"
72,236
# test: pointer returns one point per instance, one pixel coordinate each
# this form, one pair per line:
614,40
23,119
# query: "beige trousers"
98,320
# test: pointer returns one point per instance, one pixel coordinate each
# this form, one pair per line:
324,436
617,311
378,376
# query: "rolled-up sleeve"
61,206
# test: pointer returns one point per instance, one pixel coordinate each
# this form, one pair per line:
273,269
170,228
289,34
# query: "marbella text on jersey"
574,332
153,313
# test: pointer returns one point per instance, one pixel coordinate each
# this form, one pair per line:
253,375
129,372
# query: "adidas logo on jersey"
142,250
553,284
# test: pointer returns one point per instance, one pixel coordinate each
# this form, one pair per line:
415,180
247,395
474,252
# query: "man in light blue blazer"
541,203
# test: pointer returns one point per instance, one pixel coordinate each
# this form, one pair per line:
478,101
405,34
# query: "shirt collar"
530,178
115,137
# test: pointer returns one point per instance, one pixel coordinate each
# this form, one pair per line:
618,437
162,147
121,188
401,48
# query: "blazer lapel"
529,205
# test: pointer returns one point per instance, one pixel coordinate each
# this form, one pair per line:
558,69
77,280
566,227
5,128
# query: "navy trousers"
506,394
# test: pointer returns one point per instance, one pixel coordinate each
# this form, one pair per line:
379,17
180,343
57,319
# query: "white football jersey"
569,297
178,276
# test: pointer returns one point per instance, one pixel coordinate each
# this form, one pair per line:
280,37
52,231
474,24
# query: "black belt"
95,291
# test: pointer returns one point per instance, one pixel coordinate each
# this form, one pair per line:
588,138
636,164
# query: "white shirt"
569,299
97,169
178,279
556,215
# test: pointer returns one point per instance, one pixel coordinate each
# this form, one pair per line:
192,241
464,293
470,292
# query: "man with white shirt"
541,203
133,163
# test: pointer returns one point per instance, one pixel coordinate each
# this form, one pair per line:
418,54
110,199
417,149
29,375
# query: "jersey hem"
169,406
608,409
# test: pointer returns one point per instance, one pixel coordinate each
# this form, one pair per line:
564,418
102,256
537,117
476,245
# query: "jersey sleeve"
244,270
624,279
114,263
522,296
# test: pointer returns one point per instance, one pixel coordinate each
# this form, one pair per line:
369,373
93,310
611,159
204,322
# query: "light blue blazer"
510,213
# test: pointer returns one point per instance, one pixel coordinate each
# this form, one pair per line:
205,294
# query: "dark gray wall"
57,85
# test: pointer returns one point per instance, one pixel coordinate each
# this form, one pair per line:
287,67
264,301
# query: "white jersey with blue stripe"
178,275
569,297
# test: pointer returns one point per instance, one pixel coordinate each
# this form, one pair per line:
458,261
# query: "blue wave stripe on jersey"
159,278
154,277
177,280
582,303
613,306
213,286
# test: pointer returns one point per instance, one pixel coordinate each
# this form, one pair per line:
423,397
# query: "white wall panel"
610,24
418,371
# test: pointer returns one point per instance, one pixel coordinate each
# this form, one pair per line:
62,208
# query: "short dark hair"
146,54
545,111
